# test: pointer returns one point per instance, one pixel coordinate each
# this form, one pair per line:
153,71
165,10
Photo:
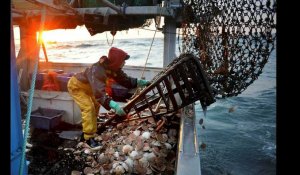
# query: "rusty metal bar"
194,78
178,86
150,107
186,82
171,94
161,93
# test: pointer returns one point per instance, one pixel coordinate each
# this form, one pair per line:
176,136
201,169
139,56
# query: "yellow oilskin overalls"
83,96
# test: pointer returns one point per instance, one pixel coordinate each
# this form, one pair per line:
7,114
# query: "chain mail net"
232,38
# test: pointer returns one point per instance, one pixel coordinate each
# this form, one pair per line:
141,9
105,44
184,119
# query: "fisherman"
89,89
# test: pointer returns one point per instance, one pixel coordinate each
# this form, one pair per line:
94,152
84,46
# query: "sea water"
240,132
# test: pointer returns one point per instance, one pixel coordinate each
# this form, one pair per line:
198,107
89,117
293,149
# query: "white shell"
79,145
146,135
149,156
137,132
125,166
144,162
116,154
129,162
115,165
146,147
149,171
133,154
127,149
155,143
74,172
168,145
87,151
119,169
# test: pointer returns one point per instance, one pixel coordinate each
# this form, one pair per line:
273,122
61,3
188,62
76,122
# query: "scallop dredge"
143,142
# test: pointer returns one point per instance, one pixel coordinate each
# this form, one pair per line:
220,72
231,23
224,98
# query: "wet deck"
151,150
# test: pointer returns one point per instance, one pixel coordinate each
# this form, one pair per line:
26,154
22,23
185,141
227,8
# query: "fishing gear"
233,40
181,83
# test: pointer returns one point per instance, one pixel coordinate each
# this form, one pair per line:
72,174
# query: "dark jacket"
96,76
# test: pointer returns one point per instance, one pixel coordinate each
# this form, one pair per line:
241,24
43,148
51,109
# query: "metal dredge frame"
178,85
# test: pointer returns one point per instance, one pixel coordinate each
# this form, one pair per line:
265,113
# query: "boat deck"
138,147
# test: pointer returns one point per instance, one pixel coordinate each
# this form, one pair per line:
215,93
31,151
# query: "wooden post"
27,54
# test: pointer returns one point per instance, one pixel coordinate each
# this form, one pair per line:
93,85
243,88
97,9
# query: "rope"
110,44
44,50
142,76
156,26
29,106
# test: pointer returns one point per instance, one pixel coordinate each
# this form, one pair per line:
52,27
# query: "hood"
116,57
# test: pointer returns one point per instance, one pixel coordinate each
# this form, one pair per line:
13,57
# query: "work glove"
118,110
142,83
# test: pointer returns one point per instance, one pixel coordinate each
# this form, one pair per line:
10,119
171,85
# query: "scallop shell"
102,159
133,154
129,162
150,156
140,169
137,132
116,154
120,126
139,144
149,171
146,147
146,135
88,170
127,149
155,143
119,170
74,172
144,162
151,120
87,151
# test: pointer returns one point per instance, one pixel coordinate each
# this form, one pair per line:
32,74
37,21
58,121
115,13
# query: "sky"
80,33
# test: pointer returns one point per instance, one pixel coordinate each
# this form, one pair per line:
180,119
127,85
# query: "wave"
83,45
59,46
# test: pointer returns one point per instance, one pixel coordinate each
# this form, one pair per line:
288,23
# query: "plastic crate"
120,93
118,90
44,118
63,82
39,80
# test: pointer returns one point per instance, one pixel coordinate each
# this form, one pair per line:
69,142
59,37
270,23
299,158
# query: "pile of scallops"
142,146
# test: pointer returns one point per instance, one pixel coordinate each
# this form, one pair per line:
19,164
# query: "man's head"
116,58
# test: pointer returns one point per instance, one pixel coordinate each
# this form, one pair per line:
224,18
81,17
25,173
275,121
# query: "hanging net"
232,38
